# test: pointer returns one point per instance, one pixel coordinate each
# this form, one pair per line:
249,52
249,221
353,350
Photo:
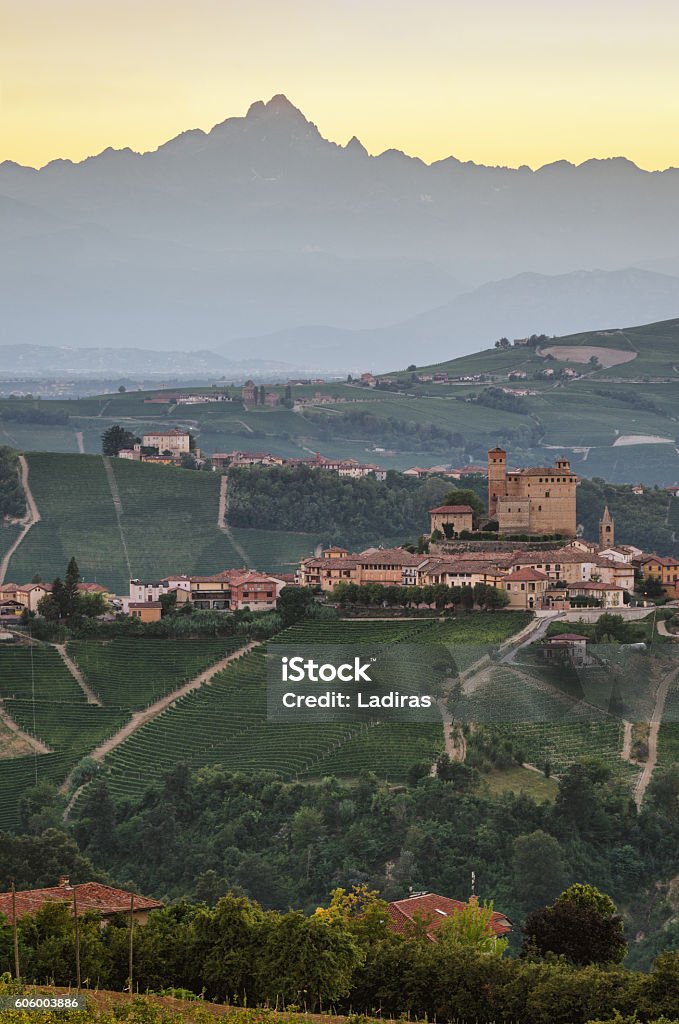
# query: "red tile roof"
454,509
433,910
89,896
523,575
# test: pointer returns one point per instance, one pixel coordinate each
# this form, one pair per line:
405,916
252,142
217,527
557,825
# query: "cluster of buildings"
343,467
16,598
162,446
555,578
227,591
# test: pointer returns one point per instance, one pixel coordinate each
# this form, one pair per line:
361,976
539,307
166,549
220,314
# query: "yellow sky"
496,82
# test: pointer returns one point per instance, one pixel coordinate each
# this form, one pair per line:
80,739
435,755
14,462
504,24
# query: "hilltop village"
523,554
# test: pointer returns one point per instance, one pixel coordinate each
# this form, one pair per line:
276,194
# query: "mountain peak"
278,106
355,145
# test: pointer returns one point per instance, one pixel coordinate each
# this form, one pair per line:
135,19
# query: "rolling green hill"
618,418
124,519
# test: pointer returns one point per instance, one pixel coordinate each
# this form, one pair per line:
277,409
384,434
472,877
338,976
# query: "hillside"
124,519
617,418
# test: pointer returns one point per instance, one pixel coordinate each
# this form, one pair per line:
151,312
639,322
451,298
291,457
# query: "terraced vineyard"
135,673
226,722
41,696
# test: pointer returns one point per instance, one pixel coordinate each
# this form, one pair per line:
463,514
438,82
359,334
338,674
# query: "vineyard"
135,673
226,722
41,696
133,519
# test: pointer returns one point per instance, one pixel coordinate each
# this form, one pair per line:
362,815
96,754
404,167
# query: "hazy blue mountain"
261,226
515,307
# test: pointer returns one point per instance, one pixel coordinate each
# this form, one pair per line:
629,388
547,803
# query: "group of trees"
640,519
116,438
12,501
344,510
344,958
388,430
65,599
497,398
440,596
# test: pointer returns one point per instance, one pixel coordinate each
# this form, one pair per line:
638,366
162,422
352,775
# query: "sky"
526,82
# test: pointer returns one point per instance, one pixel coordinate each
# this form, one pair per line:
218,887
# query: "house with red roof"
428,910
84,896
456,517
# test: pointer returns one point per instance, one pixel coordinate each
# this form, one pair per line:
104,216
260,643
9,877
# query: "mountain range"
258,230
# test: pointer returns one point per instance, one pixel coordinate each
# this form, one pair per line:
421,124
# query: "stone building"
537,500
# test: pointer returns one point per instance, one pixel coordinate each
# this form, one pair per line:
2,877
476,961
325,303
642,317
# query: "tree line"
12,501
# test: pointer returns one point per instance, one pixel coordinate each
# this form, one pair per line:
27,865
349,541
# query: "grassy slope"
168,523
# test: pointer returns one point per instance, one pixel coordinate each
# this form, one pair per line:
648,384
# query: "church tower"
606,529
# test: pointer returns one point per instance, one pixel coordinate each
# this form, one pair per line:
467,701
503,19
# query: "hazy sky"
494,81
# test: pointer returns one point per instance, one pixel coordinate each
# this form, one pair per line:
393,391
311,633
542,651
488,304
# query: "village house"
428,910
390,567
665,570
459,573
174,441
247,392
526,589
145,611
85,896
607,595
225,591
456,517
572,646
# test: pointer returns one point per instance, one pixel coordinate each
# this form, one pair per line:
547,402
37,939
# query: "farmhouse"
526,588
538,500
572,646
146,611
428,910
174,441
84,896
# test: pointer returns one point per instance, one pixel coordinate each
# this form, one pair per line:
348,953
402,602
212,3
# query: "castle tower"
606,529
497,478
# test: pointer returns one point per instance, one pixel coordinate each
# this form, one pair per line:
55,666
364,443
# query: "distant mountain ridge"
261,225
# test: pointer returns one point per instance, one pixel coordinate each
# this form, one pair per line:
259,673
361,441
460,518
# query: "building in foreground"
88,896
230,590
428,910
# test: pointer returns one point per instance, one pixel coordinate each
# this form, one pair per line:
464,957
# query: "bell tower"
606,529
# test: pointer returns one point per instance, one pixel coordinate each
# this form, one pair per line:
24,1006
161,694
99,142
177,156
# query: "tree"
122,389
465,496
471,928
294,603
539,872
115,439
582,925
70,594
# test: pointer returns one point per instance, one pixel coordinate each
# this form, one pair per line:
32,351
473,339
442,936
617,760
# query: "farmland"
159,520
226,722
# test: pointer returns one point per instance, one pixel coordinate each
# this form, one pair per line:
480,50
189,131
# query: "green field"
642,399
135,673
166,522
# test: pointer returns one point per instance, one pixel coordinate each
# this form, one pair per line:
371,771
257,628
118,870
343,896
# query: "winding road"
30,519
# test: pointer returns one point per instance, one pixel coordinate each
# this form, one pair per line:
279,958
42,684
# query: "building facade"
535,501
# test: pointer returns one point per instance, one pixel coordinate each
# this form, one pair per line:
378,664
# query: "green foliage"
343,509
581,925
115,438
390,430
12,502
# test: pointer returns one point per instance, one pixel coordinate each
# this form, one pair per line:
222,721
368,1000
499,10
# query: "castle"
538,500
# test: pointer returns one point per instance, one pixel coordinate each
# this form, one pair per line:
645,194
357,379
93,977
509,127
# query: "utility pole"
15,934
77,937
131,943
